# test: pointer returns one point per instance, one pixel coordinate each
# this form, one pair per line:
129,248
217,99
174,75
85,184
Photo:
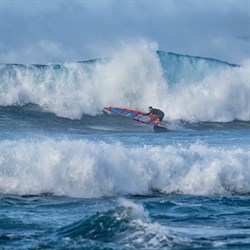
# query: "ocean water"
74,177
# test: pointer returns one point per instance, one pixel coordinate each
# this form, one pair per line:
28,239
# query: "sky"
56,31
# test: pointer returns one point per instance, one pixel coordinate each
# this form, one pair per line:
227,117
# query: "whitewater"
189,88
75,177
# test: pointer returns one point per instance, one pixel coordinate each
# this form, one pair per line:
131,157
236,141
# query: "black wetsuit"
157,112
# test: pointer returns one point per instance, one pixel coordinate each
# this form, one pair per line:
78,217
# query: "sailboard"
140,117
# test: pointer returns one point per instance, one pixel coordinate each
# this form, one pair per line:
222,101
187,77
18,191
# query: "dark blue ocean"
75,177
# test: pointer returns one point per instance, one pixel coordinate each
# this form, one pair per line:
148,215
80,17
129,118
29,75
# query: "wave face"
81,168
185,87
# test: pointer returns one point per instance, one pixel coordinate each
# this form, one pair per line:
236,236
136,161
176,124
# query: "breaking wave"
185,87
80,168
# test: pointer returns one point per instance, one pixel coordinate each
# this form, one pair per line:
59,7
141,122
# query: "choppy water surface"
73,177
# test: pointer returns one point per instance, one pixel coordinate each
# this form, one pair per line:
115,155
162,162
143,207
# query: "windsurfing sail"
134,115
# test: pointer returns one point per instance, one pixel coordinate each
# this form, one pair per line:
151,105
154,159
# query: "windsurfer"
157,112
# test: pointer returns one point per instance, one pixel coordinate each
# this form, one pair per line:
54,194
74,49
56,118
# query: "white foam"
133,78
81,168
148,233
221,97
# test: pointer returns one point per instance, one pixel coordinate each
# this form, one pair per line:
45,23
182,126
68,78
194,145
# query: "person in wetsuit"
157,112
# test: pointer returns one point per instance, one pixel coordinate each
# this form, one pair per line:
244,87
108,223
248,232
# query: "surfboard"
139,117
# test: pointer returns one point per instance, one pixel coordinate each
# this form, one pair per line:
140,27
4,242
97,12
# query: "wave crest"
185,87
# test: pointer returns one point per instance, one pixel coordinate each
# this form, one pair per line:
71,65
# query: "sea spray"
221,97
134,77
